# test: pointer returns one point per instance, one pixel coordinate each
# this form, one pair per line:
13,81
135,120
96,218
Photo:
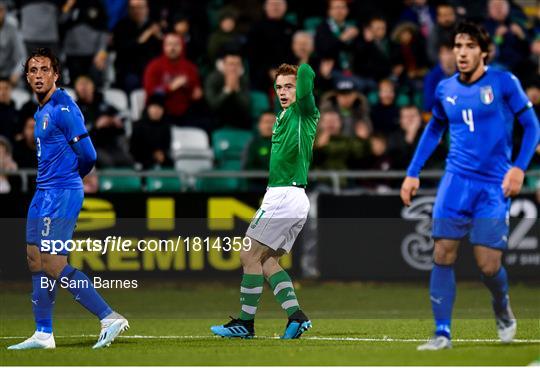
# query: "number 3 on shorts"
47,226
260,212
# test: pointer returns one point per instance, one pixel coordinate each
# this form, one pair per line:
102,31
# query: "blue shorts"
468,206
52,215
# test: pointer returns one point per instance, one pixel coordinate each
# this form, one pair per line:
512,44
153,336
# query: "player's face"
286,90
469,56
41,75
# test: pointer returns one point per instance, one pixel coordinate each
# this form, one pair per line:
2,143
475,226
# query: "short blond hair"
286,69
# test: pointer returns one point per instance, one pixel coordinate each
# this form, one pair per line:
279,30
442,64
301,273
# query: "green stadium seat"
311,23
163,184
259,103
112,183
220,184
229,145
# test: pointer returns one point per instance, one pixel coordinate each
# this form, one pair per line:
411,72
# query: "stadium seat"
259,104
311,23
113,183
190,149
229,145
117,98
20,97
220,184
136,101
163,184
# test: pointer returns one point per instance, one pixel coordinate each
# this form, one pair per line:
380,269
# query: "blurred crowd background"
188,85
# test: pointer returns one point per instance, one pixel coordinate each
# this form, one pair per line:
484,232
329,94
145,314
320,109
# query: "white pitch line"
320,338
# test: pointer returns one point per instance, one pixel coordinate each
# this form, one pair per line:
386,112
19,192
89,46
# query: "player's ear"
484,56
56,77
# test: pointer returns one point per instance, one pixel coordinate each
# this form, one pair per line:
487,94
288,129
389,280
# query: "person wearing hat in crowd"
151,138
226,36
351,105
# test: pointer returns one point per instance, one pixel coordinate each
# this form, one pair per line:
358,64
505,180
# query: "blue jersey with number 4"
480,117
59,123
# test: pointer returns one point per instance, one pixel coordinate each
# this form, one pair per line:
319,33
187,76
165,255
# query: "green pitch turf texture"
354,324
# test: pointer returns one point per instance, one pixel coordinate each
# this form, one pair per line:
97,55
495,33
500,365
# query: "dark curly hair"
44,52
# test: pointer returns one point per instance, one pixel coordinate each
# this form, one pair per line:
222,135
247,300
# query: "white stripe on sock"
283,285
255,290
290,303
249,309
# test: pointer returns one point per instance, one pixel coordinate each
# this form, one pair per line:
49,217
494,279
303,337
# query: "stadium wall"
353,237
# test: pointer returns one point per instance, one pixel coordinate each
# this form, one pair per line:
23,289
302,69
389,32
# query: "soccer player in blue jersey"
478,106
65,155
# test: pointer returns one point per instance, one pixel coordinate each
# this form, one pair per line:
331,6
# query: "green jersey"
293,135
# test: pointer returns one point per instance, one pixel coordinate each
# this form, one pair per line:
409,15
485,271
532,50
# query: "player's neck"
44,98
472,77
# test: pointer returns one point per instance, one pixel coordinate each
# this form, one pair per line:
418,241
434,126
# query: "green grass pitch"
354,324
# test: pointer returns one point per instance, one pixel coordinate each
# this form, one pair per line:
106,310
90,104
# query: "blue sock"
498,285
442,290
42,302
84,292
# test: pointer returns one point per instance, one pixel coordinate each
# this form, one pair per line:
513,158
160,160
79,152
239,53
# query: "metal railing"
188,179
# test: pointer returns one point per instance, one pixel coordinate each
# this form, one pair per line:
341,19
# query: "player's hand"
513,181
408,189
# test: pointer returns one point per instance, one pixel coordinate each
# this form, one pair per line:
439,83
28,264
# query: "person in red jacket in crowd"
172,75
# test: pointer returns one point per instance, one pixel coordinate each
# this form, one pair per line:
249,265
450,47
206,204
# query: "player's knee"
489,267
53,266
444,256
248,258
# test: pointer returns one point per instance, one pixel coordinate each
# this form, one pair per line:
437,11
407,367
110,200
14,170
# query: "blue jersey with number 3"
58,122
480,117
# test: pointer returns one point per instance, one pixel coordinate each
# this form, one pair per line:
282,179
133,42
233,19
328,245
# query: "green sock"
283,289
251,290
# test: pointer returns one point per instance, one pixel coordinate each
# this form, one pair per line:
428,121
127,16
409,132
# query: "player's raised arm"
304,89
520,105
71,123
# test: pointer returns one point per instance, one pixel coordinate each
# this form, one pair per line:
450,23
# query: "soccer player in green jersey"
285,206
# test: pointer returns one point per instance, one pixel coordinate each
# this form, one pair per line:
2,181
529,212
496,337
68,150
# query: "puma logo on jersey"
452,100
65,109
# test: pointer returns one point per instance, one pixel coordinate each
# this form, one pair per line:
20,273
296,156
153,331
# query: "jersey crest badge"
486,95
45,121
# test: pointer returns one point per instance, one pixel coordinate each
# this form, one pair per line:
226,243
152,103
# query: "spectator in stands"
269,43
257,153
421,14
39,24
442,31
227,92
402,143
385,113
84,24
533,92
335,38
411,51
104,124
351,105
151,138
13,52
225,37
302,48
333,150
182,27
382,52
378,159
509,37
174,76
7,183
444,69
136,40
24,149
8,114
